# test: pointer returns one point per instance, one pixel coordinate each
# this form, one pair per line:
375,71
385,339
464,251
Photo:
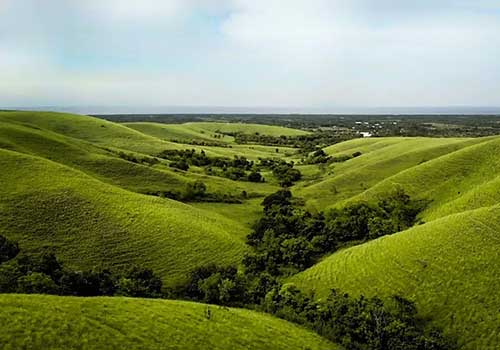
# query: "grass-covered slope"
51,322
89,223
449,266
462,180
103,163
202,132
380,159
93,130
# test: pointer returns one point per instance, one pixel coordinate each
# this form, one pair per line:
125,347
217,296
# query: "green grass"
89,223
65,189
461,180
51,322
381,159
449,266
205,132
246,214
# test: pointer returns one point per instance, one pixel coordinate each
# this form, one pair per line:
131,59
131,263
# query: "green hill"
90,223
206,132
51,322
449,266
461,180
380,159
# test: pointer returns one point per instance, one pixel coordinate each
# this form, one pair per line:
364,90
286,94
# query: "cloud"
125,10
260,52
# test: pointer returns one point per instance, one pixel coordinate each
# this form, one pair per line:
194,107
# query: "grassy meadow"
66,189
51,322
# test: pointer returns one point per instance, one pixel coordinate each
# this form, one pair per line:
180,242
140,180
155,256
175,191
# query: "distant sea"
96,110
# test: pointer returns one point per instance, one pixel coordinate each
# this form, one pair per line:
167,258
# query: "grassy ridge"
450,267
43,322
205,132
103,164
382,159
90,223
459,181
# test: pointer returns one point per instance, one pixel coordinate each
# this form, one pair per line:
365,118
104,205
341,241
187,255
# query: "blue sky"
295,53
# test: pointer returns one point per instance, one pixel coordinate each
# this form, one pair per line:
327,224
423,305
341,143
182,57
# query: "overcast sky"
307,53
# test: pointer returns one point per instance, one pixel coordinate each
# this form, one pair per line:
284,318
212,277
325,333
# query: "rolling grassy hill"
51,322
189,132
459,181
89,223
449,266
101,160
66,189
380,160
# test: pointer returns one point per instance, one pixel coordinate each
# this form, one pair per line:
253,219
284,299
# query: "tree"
139,282
36,283
9,273
8,249
280,198
255,177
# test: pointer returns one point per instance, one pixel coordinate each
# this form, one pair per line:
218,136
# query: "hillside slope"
51,322
89,223
380,159
449,266
458,181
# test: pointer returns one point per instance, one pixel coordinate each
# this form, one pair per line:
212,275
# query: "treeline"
320,157
44,274
145,160
200,142
197,192
238,168
307,143
288,239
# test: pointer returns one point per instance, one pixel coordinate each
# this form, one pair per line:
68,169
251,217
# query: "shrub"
8,249
36,283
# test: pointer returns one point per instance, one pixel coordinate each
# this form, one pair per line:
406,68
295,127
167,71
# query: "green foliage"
8,249
36,283
138,159
288,239
45,274
357,323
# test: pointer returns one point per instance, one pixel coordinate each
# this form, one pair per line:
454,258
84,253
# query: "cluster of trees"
357,323
307,143
288,239
138,159
197,192
286,173
44,274
282,170
196,142
238,168
320,157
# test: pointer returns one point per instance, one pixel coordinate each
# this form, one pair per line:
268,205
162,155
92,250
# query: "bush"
8,249
255,177
36,283
139,282
181,164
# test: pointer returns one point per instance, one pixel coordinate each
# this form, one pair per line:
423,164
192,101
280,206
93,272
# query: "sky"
253,53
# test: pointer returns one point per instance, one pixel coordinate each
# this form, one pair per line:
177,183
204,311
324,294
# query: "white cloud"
132,9
260,52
